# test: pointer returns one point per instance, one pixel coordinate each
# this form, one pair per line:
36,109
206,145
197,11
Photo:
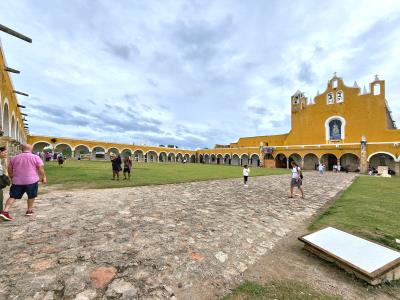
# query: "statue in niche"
335,127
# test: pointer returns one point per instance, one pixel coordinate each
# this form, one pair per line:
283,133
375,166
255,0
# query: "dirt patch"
289,261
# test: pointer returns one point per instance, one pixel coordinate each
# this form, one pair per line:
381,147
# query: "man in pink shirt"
23,170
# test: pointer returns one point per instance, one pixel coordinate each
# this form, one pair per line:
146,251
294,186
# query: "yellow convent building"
343,126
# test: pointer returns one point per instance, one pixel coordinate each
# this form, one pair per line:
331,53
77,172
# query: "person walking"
321,168
116,165
127,166
296,179
24,170
246,173
3,181
60,159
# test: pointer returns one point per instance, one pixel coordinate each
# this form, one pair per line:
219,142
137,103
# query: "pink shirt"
25,166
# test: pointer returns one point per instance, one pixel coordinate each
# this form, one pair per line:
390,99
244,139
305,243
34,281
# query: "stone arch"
235,160
151,156
329,160
12,134
39,146
126,152
179,157
311,162
201,159
296,158
17,133
255,160
207,159
6,119
220,158
113,150
162,157
63,148
98,152
227,159
81,151
186,157
281,161
350,162
138,155
244,159
193,159
382,159
213,159
171,157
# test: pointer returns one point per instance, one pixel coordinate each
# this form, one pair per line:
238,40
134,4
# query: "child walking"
246,172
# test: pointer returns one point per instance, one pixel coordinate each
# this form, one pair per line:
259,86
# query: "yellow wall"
8,98
73,143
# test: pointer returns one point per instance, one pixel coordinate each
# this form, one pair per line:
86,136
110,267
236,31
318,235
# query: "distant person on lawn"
60,159
246,173
127,166
23,170
116,165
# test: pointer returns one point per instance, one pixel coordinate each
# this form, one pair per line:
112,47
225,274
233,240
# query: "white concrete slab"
363,254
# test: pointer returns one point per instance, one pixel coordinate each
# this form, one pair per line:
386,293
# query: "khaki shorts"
296,182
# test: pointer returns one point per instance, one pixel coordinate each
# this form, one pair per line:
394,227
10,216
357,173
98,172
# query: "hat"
112,154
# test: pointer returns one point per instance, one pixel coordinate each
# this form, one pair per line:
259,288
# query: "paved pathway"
151,242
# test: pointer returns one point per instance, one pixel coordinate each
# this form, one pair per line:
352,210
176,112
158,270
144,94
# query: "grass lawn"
369,207
98,174
276,290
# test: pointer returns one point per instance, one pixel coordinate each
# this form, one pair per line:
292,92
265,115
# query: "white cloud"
195,73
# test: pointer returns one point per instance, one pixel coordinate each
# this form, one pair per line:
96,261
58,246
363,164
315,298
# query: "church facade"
344,125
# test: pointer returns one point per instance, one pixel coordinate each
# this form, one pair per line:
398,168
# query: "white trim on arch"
342,129
72,148
382,152
83,145
104,148
13,130
8,116
152,151
244,154
35,143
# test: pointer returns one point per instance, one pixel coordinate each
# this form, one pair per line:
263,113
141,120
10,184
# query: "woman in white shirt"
296,179
246,173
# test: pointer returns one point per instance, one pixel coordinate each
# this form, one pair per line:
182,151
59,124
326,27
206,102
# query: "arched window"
335,128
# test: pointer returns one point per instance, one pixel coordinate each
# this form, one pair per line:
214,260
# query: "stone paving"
151,242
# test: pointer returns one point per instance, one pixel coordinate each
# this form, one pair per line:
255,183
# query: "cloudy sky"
190,73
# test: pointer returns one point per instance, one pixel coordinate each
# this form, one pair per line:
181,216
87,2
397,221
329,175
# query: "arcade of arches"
334,127
334,136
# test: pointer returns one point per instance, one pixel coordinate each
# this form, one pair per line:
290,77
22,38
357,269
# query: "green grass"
290,290
98,174
369,207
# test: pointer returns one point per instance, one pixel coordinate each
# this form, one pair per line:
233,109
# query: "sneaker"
29,213
245,185
6,216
